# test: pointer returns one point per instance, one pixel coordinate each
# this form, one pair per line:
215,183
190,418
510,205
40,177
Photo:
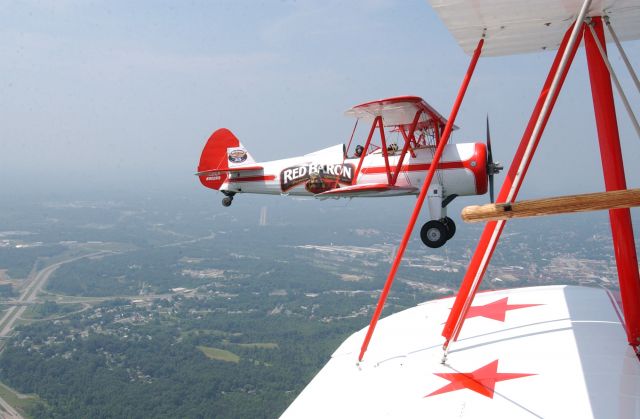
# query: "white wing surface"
519,26
540,352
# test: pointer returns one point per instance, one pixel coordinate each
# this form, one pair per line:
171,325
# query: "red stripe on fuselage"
477,165
414,167
252,179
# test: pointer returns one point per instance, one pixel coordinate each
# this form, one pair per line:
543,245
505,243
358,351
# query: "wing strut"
366,148
407,141
614,78
515,176
423,193
633,74
614,179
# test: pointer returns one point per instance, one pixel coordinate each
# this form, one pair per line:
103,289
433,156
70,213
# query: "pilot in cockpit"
359,150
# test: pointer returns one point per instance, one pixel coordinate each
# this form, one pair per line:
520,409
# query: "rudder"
222,151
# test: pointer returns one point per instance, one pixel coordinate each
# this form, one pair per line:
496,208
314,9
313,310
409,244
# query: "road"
8,412
29,295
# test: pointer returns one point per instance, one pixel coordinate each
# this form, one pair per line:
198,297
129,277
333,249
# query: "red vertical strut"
421,197
407,141
385,152
614,179
365,150
493,229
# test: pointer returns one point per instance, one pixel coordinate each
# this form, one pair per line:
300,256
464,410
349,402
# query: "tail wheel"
450,226
226,201
434,234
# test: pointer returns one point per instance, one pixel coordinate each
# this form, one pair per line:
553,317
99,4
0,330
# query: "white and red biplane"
382,170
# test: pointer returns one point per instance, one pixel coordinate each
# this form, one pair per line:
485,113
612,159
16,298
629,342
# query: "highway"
30,293
34,284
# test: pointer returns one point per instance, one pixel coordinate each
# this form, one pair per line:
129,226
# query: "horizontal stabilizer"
252,168
368,190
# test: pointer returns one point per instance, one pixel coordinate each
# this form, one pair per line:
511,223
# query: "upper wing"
519,26
552,352
397,111
367,190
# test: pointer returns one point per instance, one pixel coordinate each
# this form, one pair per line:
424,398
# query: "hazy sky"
122,93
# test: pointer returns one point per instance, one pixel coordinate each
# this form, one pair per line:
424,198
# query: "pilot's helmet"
359,150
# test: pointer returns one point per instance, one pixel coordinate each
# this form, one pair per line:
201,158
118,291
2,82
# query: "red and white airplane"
540,352
386,169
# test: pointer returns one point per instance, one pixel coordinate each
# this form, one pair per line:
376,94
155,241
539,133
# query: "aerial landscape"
139,306
128,290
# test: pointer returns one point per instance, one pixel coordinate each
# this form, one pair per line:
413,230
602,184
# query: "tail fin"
222,152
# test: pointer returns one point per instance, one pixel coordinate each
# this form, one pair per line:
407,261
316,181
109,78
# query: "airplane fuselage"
461,172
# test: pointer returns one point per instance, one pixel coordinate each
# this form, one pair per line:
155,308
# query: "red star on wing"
496,310
482,381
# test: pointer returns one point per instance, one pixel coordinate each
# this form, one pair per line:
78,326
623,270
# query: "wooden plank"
550,206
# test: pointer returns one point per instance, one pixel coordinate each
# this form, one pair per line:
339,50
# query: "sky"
120,94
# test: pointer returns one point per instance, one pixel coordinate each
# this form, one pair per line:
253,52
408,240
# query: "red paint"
365,149
478,166
420,200
421,167
482,381
496,310
614,179
407,142
214,157
479,170
252,179
419,102
390,101
385,154
367,187
484,249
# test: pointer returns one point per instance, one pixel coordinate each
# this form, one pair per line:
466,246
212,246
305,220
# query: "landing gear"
451,227
435,233
228,199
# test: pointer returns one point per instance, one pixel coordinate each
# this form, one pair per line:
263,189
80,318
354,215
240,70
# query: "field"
219,354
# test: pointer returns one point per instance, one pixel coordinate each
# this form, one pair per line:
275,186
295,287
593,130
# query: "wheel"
451,227
434,234
226,201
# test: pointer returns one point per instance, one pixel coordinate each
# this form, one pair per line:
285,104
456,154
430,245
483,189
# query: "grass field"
18,402
219,354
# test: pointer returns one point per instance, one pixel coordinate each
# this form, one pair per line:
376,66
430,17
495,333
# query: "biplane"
542,352
380,168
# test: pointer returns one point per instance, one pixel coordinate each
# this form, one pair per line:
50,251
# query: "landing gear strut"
228,199
436,233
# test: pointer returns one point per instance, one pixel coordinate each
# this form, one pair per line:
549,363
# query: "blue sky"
122,93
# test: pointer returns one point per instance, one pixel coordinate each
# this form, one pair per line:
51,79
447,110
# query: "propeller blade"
489,153
490,168
491,189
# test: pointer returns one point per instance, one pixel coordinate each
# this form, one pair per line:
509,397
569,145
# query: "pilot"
359,150
392,148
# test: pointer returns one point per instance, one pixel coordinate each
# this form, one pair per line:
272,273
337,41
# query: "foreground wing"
551,352
519,26
367,190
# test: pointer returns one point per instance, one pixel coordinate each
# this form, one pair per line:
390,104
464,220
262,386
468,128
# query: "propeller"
492,168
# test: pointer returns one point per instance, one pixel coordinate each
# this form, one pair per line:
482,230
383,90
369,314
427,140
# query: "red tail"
214,157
